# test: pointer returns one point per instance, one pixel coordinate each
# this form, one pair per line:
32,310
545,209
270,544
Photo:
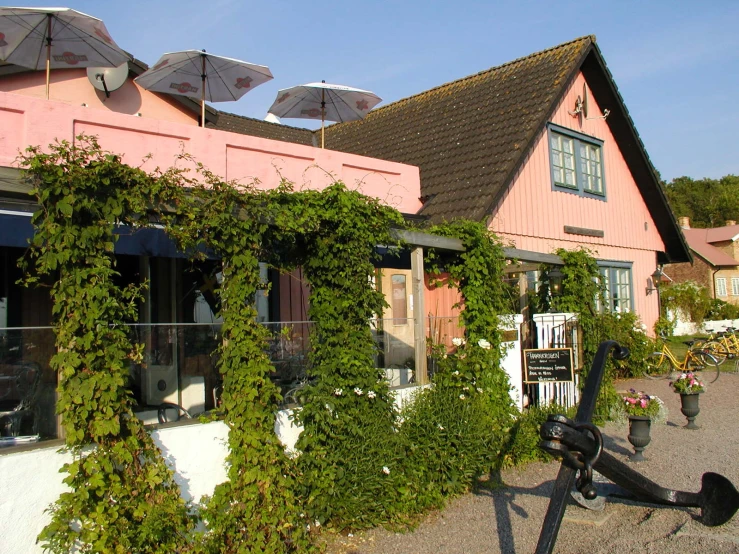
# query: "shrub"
522,446
722,310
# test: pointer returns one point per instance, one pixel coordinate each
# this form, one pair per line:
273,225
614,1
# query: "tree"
707,202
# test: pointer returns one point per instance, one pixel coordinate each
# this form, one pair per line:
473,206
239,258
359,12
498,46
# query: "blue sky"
676,63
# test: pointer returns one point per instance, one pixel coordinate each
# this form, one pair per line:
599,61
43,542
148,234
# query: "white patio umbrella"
197,74
325,102
56,37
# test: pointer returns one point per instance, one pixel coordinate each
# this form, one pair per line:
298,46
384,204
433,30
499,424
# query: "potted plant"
641,409
689,388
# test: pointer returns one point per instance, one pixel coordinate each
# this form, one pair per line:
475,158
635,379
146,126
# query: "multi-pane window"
577,162
590,167
735,286
720,286
563,161
617,284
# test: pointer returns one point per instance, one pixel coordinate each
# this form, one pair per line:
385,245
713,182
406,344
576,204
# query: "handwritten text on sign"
548,365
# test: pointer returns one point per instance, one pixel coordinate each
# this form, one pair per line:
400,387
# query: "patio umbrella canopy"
39,38
324,101
197,74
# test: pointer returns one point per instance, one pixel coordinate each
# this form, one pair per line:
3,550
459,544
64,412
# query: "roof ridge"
265,121
583,38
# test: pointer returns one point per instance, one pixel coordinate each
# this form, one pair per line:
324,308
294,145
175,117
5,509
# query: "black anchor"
580,445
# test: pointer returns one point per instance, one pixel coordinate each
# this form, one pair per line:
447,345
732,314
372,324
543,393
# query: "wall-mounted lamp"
656,280
555,280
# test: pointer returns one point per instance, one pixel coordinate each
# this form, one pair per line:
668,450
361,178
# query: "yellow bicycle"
662,364
722,345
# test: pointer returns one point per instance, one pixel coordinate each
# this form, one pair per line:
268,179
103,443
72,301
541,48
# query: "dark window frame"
609,267
577,139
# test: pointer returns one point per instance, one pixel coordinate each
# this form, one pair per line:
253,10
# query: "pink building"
152,130
543,150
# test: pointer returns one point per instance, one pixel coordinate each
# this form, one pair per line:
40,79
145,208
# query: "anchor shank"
560,437
644,488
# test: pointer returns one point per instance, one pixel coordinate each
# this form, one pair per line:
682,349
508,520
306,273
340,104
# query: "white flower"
316,523
456,341
386,470
441,428
338,392
461,396
479,389
456,372
466,388
371,394
482,343
358,391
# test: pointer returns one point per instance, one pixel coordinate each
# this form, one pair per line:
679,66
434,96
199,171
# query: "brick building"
716,260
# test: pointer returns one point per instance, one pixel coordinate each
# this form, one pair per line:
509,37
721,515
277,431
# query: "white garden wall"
30,480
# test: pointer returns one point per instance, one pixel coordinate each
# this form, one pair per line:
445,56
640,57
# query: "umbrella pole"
323,113
48,53
202,92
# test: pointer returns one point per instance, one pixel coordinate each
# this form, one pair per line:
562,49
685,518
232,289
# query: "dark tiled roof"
469,136
264,129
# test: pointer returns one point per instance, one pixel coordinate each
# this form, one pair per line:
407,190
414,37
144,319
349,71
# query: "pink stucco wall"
533,216
71,86
27,120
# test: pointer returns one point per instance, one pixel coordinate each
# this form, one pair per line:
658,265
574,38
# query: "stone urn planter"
639,427
690,408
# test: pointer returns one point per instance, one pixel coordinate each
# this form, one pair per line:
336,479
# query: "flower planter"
690,408
639,427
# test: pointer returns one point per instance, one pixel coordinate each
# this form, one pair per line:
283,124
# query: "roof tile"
467,136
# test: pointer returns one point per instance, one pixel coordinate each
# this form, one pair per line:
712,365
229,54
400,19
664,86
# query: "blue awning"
16,230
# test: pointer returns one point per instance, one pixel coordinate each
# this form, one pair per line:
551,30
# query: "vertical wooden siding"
533,216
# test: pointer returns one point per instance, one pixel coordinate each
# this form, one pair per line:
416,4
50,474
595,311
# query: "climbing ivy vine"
256,509
360,461
465,418
349,460
122,496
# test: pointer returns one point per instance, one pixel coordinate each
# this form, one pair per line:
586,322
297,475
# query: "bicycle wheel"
706,364
715,349
658,366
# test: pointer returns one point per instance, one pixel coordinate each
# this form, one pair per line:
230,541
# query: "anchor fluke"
719,499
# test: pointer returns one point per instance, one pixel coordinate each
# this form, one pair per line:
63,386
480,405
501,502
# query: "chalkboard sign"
548,365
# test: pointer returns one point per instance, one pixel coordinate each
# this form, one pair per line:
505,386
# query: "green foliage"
722,310
708,202
626,329
256,510
349,408
664,326
688,298
470,397
451,438
581,292
522,446
123,497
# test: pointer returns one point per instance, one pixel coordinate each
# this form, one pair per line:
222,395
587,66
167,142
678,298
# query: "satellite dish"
108,79
585,100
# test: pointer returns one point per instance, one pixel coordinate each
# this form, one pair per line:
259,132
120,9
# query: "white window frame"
735,286
721,286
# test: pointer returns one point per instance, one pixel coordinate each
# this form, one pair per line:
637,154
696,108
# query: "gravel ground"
508,519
